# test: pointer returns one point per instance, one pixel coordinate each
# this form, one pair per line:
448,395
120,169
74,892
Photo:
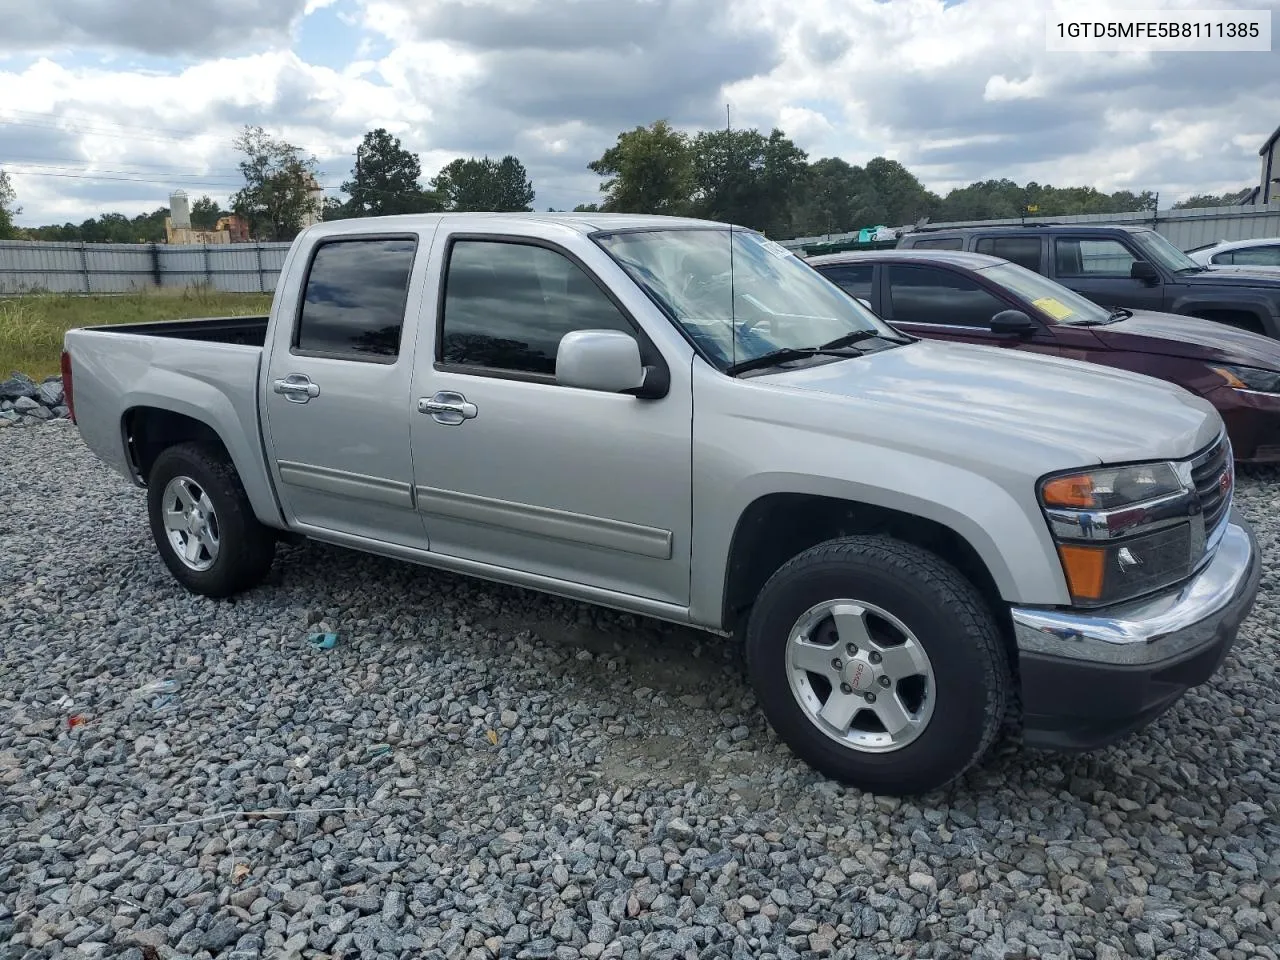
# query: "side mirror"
1144,271
865,302
1012,322
605,360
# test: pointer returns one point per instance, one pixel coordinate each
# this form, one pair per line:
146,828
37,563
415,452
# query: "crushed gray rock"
599,825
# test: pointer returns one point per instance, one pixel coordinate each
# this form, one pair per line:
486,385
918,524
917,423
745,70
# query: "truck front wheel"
878,664
203,523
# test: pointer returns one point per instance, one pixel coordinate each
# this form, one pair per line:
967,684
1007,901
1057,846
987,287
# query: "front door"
941,303
514,470
1099,269
337,401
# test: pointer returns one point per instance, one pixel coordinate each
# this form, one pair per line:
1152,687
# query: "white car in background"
1260,252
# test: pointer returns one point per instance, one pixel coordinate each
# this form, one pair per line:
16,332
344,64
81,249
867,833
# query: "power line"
90,172
147,128
160,182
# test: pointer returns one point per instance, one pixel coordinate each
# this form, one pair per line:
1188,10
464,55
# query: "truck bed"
247,331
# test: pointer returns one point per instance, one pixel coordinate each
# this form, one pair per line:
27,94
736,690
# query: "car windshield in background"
739,307
1060,304
1163,252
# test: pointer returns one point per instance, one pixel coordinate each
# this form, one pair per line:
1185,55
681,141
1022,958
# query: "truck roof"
1065,228
956,258
586,222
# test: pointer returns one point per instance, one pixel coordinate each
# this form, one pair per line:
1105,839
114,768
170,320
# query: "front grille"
1213,477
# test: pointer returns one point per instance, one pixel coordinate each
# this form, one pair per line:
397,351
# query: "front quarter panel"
746,447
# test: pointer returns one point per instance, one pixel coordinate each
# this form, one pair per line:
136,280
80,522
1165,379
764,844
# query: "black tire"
246,548
949,619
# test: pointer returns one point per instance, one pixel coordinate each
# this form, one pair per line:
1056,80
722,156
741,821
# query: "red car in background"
975,298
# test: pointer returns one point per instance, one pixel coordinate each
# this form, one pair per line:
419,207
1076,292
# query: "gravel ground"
476,771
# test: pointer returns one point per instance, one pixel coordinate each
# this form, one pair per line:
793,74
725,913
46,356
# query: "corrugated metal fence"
1183,228
34,266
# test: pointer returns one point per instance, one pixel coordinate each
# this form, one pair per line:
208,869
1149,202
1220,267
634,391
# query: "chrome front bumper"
1157,629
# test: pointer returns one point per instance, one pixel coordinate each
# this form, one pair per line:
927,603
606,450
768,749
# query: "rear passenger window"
1092,258
354,301
507,306
1024,251
854,279
945,243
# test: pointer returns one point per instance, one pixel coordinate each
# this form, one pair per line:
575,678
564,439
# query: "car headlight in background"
1120,532
1249,378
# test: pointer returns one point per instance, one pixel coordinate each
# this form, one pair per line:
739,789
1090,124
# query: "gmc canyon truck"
922,544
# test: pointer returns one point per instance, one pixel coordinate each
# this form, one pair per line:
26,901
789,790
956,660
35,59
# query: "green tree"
650,170
275,197
205,213
384,180
7,209
484,184
837,198
1229,199
744,177
587,208
901,198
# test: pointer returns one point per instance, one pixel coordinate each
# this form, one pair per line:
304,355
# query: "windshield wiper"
858,335
782,355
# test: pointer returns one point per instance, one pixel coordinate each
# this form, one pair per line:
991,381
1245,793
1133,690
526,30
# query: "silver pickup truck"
921,544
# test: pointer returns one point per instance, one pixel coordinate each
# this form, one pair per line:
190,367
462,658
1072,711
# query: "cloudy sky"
110,104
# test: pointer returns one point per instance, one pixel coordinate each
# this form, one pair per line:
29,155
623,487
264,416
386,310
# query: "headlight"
1249,378
1120,531
1111,487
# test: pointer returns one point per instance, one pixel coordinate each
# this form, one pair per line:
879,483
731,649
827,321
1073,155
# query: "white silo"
179,210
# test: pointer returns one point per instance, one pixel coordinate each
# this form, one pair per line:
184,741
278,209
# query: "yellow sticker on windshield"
1054,308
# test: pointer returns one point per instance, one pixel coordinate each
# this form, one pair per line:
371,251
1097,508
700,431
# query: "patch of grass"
32,326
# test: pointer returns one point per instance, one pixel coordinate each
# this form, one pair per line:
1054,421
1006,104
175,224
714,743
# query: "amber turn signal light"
1073,491
1085,568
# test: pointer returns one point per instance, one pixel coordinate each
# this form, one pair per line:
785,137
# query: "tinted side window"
1092,258
353,305
945,243
1024,251
1258,256
852,278
507,305
932,295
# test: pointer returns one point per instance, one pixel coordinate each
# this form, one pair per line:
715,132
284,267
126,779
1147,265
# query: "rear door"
1098,267
336,406
514,470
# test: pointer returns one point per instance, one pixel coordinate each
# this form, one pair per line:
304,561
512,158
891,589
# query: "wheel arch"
778,526
147,430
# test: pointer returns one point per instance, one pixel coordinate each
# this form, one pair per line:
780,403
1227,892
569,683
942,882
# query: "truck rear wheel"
203,523
878,664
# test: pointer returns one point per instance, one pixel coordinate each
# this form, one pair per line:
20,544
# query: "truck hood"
1041,407
1172,335
1236,277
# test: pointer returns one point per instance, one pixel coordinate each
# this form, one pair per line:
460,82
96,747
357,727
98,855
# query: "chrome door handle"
296,388
448,407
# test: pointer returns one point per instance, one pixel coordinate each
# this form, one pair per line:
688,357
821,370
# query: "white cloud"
957,93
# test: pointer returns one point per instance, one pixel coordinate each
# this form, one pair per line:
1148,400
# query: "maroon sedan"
971,297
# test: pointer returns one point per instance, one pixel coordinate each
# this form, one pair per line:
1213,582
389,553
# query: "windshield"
771,300
1058,303
1163,252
